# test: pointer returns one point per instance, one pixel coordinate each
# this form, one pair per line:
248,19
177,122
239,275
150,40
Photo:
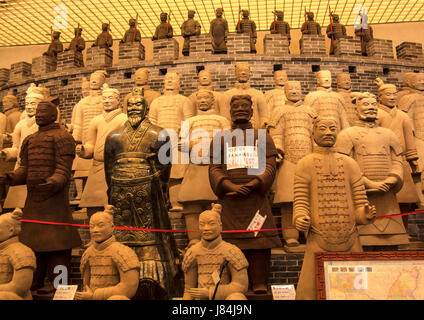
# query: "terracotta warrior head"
241,109
191,14
163,16
386,93
366,106
204,100
310,16
137,107
335,17
219,12
131,22
172,82
210,225
245,14
205,78
105,26
78,31
101,225
46,112
85,87
280,77
279,14
417,81
34,96
325,131
141,76
56,35
242,72
10,224
110,98
10,101
343,81
293,91
324,79
97,79
407,78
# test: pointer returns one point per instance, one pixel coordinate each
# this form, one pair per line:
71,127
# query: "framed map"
370,275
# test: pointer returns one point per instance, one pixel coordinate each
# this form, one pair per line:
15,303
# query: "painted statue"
189,28
279,26
104,39
335,30
55,46
132,34
276,97
344,88
164,29
310,26
406,89
248,26
11,110
365,35
77,44
219,32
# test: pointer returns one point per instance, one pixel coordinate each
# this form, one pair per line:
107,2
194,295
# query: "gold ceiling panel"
24,22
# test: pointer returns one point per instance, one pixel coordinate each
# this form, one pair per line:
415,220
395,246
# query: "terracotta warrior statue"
46,161
55,46
137,188
242,87
205,83
378,152
17,194
219,31
85,92
104,39
11,110
85,110
310,26
132,34
46,93
329,221
3,125
326,102
77,43
241,184
291,130
413,105
168,111
366,35
335,31
196,194
17,261
245,25
344,88
94,196
108,267
389,116
189,28
406,89
276,97
164,29
279,26
141,78
213,255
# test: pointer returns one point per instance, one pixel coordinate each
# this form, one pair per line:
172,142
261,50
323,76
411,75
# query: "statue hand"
303,223
414,166
370,212
199,293
79,149
84,295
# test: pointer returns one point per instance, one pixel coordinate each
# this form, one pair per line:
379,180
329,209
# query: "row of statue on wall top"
218,31
113,155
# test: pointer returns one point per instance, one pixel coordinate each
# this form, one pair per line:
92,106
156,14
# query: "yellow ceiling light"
24,22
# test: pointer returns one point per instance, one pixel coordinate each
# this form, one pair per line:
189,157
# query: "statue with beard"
137,187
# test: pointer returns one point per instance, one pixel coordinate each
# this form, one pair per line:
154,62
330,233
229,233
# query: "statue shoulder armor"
235,257
125,257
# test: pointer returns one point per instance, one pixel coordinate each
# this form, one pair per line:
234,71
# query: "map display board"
370,275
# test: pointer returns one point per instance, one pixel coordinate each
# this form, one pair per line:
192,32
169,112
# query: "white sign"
242,157
256,223
65,292
283,292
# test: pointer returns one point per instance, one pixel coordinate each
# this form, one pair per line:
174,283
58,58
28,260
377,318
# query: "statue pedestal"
166,49
380,49
42,65
276,45
130,53
238,43
409,51
4,76
98,58
69,60
348,46
312,44
200,45
19,71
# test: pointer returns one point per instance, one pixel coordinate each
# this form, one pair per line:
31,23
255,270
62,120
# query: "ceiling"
24,22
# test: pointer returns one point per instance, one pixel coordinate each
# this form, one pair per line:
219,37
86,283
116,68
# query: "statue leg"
191,214
40,271
258,270
290,234
174,190
79,186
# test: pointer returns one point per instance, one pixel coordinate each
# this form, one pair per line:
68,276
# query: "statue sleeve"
77,133
81,44
236,257
396,155
328,31
408,132
217,172
344,30
65,154
267,178
318,28
239,284
18,177
125,258
344,143
84,260
254,35
23,257
189,260
153,113
276,128
344,122
359,195
262,110
288,31
91,140
126,287
109,157
302,189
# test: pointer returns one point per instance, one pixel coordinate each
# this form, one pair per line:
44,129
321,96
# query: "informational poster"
283,292
65,292
242,157
256,223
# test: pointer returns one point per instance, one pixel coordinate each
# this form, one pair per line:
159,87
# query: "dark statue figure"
132,34
335,31
366,34
164,29
279,26
189,28
137,187
310,26
104,40
55,46
248,26
219,31
78,42
46,162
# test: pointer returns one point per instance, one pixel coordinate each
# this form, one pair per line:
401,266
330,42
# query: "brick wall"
4,76
379,48
166,49
98,58
69,60
312,44
276,44
409,51
200,45
348,46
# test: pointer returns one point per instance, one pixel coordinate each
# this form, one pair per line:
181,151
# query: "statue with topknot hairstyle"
17,261
11,110
213,255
